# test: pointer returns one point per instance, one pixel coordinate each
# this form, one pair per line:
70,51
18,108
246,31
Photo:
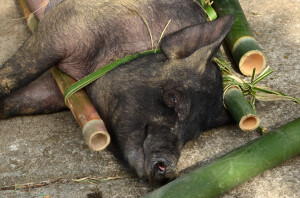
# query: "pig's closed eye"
172,98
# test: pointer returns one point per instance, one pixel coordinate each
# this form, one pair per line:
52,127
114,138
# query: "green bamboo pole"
244,48
236,167
93,128
240,109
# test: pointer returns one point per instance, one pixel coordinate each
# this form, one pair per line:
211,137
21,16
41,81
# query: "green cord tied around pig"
206,6
99,73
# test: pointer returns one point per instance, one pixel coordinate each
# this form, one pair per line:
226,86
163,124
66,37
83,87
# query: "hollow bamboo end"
250,60
96,135
249,122
98,141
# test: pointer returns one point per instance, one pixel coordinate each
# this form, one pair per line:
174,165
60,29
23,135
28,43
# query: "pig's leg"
40,96
35,57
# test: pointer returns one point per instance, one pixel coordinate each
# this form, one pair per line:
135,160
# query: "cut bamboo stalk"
240,109
237,166
244,48
93,128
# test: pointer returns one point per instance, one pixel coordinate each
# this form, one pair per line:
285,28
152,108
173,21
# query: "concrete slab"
45,156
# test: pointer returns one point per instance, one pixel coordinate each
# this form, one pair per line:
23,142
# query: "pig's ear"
204,38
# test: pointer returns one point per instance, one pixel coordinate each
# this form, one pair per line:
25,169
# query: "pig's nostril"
159,167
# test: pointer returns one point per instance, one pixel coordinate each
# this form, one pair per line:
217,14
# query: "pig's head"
155,104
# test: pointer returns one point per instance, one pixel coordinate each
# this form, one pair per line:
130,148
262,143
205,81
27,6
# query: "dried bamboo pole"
244,48
93,128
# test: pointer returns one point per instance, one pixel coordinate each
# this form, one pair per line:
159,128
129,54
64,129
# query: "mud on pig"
151,106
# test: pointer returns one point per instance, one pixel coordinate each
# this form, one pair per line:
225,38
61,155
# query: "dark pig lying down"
151,106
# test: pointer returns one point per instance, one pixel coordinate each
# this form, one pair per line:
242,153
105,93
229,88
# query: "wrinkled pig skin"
151,106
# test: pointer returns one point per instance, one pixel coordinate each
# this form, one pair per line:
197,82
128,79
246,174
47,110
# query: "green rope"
100,72
206,6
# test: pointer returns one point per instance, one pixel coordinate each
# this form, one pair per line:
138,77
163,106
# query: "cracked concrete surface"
47,152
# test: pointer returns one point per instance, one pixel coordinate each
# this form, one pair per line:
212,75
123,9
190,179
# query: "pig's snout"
161,153
162,171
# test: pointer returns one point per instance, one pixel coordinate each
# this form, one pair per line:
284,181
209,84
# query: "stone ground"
45,155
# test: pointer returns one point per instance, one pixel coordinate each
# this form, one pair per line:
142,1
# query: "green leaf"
99,73
209,11
256,92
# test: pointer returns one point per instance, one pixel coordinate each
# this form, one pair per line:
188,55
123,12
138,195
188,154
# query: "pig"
152,105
